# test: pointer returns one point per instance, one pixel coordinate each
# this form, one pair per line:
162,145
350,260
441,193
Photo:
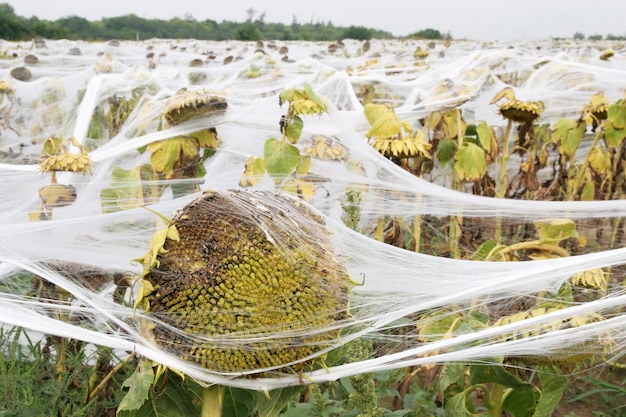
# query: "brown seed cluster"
251,284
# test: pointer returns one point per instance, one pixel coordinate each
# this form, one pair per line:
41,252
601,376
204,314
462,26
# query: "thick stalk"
502,187
212,401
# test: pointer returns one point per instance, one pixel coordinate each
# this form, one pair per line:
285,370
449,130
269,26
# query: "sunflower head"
186,105
250,283
516,110
57,156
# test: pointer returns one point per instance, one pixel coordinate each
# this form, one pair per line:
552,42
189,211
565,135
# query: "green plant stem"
212,401
497,396
504,161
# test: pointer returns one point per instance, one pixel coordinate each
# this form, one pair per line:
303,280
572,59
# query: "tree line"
132,27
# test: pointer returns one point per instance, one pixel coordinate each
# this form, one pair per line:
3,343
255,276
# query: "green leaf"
281,158
483,251
294,129
437,325
470,164
497,374
445,151
617,114
271,405
459,405
139,384
177,399
613,136
521,403
555,230
484,134
568,133
237,402
127,190
553,384
451,374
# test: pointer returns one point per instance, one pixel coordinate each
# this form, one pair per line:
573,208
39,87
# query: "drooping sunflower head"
57,156
251,284
516,110
186,105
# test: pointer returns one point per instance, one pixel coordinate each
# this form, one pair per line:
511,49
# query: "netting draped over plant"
265,155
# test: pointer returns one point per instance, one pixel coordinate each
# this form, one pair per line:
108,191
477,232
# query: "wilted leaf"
303,165
591,278
253,172
207,138
281,158
139,384
451,126
568,133
315,98
57,195
506,92
165,154
384,121
145,290
470,162
600,160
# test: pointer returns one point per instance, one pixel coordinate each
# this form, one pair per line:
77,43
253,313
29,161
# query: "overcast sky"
474,19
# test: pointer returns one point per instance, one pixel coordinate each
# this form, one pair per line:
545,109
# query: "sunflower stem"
212,401
504,160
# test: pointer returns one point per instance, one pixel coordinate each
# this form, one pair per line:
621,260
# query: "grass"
35,382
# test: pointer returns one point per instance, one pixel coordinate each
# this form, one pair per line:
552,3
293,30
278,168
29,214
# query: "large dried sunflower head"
186,105
250,283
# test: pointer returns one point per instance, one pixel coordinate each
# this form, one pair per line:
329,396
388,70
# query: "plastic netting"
68,257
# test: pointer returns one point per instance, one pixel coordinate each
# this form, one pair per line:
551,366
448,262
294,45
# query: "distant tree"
357,32
611,37
594,37
12,27
429,33
77,27
248,32
579,36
